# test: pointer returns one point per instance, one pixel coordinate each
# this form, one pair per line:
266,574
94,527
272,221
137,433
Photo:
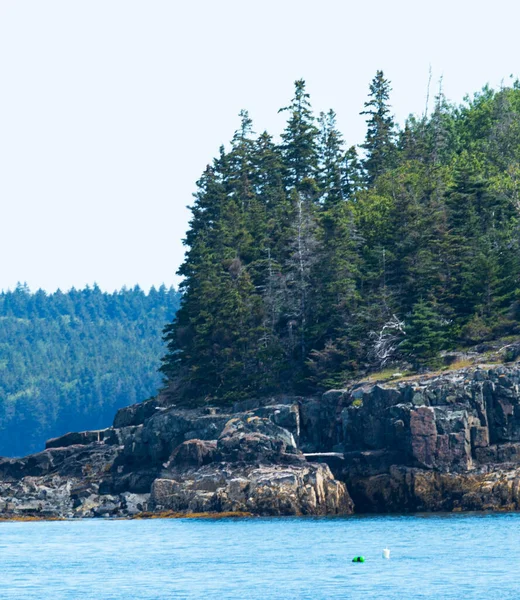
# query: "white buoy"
386,553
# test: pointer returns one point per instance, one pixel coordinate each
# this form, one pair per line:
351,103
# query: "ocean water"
432,556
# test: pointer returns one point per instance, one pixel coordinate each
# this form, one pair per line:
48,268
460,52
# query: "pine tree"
331,159
241,159
184,337
299,140
352,174
270,222
379,143
336,298
425,335
466,199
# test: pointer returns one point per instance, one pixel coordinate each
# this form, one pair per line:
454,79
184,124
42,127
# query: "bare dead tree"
303,257
386,340
428,93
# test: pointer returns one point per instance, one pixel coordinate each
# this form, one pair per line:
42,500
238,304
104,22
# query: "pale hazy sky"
110,109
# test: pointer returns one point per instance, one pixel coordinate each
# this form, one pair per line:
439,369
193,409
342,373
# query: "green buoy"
358,559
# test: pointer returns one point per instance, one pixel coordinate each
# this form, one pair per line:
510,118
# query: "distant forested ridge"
309,261
69,360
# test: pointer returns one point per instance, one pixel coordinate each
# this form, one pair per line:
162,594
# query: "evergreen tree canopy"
308,263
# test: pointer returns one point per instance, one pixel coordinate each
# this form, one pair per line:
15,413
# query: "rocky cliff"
445,443
157,457
448,442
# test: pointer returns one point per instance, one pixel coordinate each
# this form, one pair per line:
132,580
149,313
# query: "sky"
110,109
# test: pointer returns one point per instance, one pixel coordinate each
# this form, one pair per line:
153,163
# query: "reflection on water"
432,556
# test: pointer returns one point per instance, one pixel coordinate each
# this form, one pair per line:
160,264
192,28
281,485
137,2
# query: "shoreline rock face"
444,443
305,489
254,467
405,489
182,460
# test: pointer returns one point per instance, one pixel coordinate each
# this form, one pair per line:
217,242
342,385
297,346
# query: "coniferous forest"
310,262
69,360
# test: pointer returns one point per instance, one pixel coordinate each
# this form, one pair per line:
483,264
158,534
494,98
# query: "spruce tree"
379,143
336,298
352,174
468,192
331,160
300,138
425,335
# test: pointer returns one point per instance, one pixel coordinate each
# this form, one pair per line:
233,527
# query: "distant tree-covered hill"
69,360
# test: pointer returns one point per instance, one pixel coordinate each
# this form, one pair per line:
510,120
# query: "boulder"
194,453
154,441
307,489
135,414
286,416
82,438
250,438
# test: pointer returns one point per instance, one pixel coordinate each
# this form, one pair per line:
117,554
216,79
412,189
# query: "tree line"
308,261
69,360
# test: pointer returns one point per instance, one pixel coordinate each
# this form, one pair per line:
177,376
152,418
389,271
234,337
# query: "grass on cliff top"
395,375
391,374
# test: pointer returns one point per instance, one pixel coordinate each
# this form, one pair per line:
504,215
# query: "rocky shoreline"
445,443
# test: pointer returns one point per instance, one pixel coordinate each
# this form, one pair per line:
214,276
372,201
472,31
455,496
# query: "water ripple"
432,556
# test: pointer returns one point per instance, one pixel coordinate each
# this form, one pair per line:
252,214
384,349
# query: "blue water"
450,556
